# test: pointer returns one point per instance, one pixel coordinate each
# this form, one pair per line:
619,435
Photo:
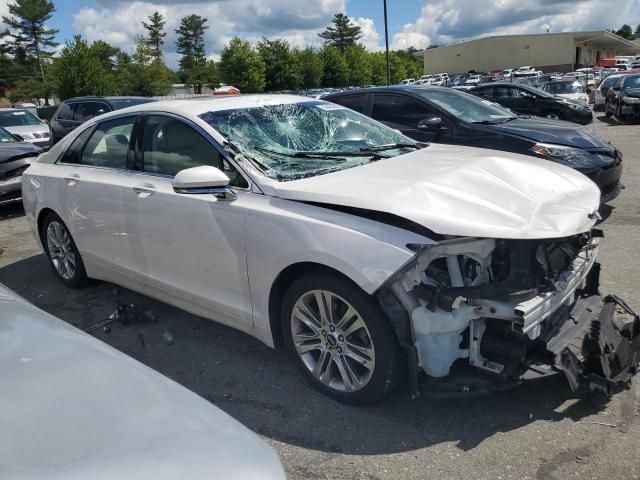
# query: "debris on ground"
168,338
125,314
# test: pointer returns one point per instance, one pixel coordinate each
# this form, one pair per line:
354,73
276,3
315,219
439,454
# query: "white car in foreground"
74,408
299,220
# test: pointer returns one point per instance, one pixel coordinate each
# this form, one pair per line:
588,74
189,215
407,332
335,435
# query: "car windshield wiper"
320,154
389,146
495,122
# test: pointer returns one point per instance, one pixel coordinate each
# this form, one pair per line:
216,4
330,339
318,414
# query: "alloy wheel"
332,340
61,251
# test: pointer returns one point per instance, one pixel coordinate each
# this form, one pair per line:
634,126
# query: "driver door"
191,246
404,113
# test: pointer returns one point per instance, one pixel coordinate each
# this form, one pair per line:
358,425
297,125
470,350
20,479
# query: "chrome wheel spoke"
60,250
306,316
346,317
322,370
362,355
356,325
324,302
346,374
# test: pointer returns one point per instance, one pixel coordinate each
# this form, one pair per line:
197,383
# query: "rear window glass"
129,102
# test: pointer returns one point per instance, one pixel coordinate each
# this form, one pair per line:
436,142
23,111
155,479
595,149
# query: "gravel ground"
537,431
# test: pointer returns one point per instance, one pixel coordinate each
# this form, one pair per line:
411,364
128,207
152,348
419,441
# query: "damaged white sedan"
371,256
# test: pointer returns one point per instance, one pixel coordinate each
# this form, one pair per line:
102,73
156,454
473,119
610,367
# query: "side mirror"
430,123
203,180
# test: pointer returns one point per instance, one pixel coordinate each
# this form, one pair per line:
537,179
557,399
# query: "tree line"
30,71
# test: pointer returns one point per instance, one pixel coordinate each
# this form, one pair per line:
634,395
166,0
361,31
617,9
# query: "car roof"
109,98
199,105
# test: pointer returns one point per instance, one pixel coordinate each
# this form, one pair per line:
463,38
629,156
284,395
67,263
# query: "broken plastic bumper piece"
598,348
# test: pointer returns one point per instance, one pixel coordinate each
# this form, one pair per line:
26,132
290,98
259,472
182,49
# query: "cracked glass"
298,140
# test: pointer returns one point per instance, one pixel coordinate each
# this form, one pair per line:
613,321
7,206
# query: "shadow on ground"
263,390
11,210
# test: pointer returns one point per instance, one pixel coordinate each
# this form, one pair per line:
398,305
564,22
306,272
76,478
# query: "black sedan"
445,115
533,101
15,156
623,100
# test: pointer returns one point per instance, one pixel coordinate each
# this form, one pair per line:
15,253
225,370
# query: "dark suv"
532,101
623,99
445,115
76,111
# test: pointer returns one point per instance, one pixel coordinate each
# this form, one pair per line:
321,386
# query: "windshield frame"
6,134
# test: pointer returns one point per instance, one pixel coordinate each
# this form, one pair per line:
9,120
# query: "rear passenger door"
98,191
404,113
63,122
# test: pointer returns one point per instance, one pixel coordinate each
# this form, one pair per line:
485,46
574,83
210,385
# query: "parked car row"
369,252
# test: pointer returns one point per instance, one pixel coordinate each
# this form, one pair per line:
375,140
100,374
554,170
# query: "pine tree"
280,73
155,37
27,31
190,45
343,34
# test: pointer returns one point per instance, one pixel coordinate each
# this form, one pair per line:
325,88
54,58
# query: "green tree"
309,66
156,33
398,67
342,34
242,67
378,67
359,66
190,45
211,75
142,73
336,70
78,71
280,71
27,31
625,32
636,33
31,90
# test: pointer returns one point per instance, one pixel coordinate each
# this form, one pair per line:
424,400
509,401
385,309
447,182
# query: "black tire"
386,373
79,277
621,118
607,111
558,115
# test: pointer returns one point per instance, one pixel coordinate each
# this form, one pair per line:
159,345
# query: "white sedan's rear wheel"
62,252
340,338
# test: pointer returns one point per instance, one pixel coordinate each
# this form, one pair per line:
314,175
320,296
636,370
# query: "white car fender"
295,232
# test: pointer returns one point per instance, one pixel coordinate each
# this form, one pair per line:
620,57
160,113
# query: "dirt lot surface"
537,431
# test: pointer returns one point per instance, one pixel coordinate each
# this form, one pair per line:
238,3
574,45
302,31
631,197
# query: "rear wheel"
340,338
62,252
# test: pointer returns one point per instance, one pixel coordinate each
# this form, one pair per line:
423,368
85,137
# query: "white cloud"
298,21
448,21
370,36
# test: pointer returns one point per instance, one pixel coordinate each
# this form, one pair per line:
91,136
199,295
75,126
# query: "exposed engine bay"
512,310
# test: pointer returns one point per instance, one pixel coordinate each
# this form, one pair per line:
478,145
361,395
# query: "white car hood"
73,408
461,191
29,129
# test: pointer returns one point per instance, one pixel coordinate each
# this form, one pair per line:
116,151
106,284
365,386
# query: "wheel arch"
282,282
40,222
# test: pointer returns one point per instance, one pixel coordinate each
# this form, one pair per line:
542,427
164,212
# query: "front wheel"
62,252
340,338
553,115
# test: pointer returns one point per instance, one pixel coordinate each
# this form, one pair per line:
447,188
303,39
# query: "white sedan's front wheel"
340,338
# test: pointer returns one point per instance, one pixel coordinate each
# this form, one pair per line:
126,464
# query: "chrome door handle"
72,179
144,191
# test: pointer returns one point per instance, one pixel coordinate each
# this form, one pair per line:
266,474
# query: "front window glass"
468,107
109,144
171,145
18,118
558,88
305,139
6,137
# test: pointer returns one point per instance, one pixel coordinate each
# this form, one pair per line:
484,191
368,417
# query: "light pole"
386,41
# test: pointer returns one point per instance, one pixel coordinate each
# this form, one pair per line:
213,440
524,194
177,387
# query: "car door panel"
191,245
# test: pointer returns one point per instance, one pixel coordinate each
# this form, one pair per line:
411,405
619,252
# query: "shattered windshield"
305,139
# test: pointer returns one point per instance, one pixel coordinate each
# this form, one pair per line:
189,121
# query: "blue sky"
416,23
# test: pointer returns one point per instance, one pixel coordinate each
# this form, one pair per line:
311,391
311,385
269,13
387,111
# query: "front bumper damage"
478,335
